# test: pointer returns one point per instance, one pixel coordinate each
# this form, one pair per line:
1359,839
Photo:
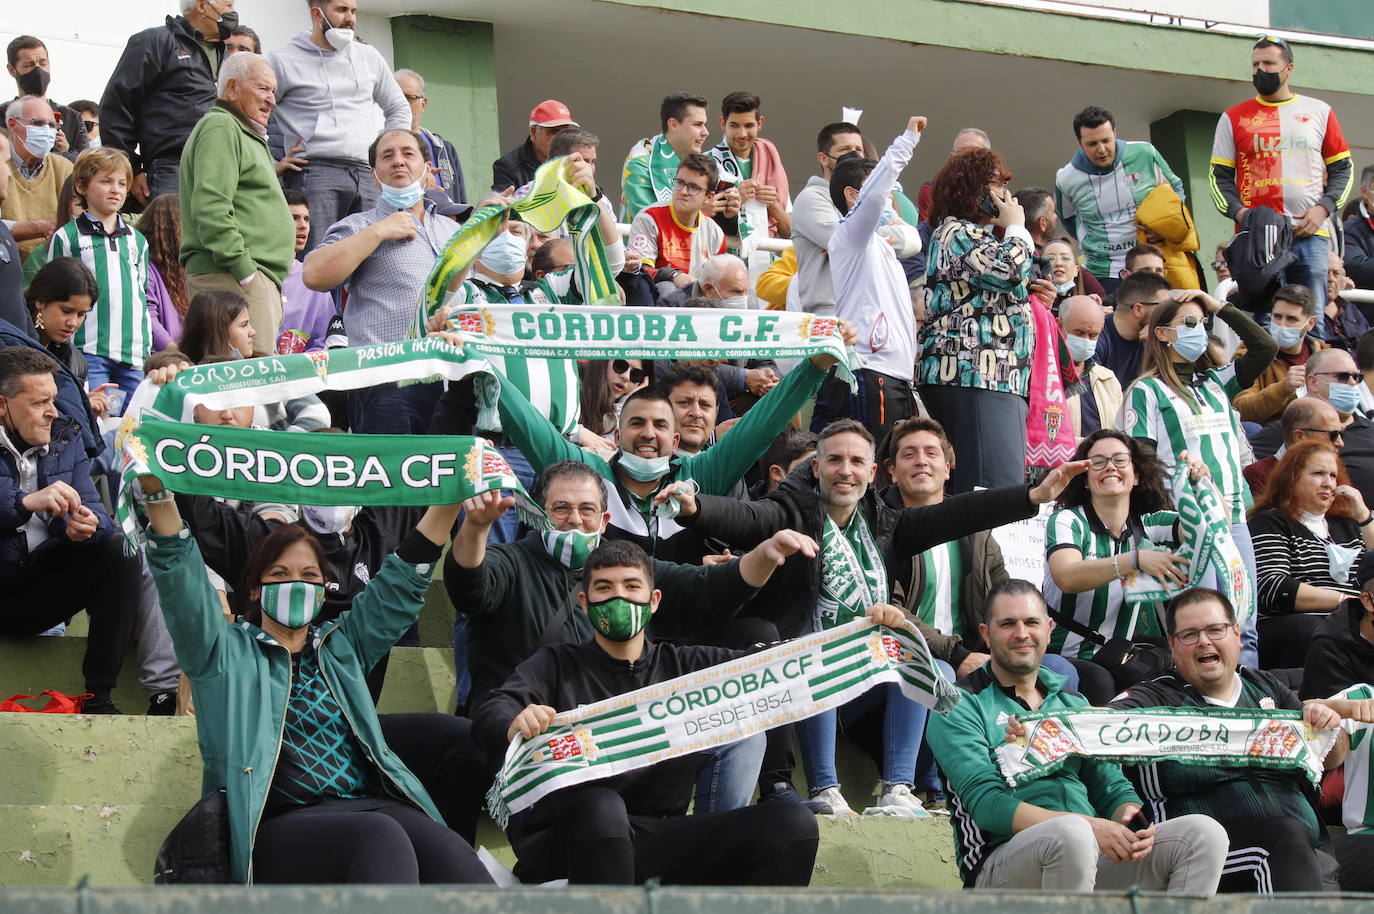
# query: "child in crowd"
117,335
166,290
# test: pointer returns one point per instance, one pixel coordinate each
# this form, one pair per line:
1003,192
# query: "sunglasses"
1190,322
637,375
1333,433
1344,377
90,126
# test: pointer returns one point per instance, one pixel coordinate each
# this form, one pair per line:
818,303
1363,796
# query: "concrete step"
95,796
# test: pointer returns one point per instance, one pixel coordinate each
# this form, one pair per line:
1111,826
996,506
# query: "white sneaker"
834,800
898,800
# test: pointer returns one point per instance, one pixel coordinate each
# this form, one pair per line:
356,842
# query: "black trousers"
880,402
1283,639
64,578
1356,856
586,835
369,841
1273,854
440,751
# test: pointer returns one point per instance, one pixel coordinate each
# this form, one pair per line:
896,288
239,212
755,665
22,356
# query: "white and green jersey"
942,570
1357,809
117,326
1205,425
1103,609
1102,204
552,386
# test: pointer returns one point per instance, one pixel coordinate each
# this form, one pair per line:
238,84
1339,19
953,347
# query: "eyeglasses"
1218,264
413,98
561,511
687,188
90,125
1217,632
1333,433
637,375
1345,377
36,122
1120,461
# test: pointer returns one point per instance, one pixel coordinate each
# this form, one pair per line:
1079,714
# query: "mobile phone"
988,206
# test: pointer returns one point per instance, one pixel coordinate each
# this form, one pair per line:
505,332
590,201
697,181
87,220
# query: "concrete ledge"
95,796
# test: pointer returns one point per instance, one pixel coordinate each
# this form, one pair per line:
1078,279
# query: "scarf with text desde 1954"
715,706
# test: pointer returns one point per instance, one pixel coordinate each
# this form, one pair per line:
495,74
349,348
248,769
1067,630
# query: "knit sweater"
36,198
234,217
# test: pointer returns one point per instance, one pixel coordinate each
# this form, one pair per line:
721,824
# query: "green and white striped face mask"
570,547
619,619
294,604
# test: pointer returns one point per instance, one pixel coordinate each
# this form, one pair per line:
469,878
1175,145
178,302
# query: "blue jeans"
927,776
505,530
335,189
386,409
1249,632
727,775
164,177
101,369
904,723
1310,270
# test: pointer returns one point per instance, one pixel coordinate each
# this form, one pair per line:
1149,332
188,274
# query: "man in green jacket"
1075,830
237,234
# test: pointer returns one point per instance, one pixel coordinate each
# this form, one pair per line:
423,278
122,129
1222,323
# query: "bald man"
1081,319
1305,419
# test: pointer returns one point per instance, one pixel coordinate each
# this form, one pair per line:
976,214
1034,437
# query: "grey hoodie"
814,219
326,98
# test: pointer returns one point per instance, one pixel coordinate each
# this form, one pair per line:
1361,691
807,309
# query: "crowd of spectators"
1055,357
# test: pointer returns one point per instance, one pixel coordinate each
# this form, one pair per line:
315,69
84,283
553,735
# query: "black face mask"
34,82
1266,83
227,22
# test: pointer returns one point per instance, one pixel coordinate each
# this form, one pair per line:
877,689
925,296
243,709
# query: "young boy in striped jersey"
116,336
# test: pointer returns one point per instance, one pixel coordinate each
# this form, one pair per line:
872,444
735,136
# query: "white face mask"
338,39
738,302
1080,348
329,519
1339,560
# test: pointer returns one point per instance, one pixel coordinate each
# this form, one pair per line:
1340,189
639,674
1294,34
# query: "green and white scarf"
156,436
1204,532
1216,736
598,332
663,164
718,705
550,203
729,165
853,577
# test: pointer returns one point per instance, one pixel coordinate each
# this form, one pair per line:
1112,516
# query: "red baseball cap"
552,113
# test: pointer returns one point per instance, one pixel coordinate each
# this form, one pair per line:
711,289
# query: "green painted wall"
1184,138
1350,18
1006,30
458,61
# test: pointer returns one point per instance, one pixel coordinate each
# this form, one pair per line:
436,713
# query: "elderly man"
59,552
13,308
161,87
1082,319
446,167
236,231
1269,815
36,172
382,256
329,88
516,168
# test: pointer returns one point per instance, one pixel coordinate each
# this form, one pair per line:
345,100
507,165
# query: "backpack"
1257,256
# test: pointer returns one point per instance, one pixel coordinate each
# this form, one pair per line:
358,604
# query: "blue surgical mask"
402,197
1344,397
1286,337
1191,342
504,254
889,214
39,140
1066,288
1080,348
645,469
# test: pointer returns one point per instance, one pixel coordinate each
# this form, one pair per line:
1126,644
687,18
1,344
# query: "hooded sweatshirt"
326,98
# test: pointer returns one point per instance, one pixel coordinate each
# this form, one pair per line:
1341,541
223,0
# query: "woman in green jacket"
283,715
